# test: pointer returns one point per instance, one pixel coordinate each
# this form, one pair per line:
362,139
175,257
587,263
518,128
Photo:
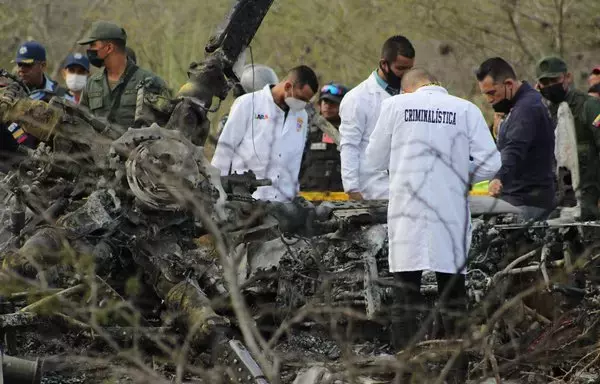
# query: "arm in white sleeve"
233,132
298,165
352,127
380,143
486,158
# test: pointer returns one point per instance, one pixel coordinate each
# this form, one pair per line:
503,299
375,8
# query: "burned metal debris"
113,232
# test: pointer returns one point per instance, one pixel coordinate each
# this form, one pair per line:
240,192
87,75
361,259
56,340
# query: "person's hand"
498,116
495,187
355,196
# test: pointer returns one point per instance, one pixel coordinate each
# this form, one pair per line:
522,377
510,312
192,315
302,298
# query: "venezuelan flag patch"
17,133
596,122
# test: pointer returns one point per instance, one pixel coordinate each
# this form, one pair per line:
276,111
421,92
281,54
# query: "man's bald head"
415,78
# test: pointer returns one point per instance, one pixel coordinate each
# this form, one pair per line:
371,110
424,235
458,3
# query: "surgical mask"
92,55
391,78
554,93
295,104
76,82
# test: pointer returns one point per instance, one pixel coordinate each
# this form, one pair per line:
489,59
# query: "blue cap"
77,59
29,52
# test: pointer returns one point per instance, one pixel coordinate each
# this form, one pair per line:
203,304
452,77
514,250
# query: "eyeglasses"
333,90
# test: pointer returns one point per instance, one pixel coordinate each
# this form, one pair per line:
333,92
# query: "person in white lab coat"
359,111
266,132
425,138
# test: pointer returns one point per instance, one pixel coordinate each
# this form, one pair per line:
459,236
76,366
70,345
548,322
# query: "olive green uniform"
102,101
586,114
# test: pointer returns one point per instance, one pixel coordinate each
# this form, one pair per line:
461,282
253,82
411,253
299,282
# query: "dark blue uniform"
526,144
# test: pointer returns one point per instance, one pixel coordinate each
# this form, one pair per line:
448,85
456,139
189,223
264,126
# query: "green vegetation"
340,39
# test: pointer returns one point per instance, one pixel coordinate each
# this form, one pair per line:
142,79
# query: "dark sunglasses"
596,71
333,90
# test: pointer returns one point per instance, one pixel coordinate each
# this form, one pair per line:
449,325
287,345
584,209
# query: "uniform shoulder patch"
596,122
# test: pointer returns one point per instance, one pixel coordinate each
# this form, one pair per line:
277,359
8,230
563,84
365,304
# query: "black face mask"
92,55
391,78
554,93
503,106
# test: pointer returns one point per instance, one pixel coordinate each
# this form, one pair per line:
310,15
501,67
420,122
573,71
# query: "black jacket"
526,144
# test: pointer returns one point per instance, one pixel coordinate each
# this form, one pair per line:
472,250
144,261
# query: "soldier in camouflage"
112,93
556,85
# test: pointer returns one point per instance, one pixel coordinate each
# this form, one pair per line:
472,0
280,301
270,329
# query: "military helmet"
263,75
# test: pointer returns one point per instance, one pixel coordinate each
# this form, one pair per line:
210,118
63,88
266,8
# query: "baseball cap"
77,59
549,67
30,52
596,70
333,92
103,30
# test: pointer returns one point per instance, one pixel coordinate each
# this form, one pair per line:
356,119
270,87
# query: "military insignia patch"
299,122
327,140
596,122
17,133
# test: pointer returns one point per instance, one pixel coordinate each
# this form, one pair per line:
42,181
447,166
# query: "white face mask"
295,104
76,82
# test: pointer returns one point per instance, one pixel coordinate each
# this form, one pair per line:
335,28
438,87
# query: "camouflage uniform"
98,97
586,116
119,104
586,110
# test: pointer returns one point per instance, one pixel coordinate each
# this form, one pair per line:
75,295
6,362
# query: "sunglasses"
333,90
596,71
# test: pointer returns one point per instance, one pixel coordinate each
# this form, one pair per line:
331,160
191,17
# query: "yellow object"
479,189
324,196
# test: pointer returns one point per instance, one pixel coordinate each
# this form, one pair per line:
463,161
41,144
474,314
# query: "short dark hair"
304,75
497,68
131,54
120,44
397,46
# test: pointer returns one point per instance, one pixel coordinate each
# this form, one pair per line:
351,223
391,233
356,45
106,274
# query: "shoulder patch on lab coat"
299,122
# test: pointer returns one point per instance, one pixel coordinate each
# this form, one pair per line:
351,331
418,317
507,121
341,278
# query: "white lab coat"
359,111
428,216
259,137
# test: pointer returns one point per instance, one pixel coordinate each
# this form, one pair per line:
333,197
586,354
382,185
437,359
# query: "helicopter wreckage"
131,237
